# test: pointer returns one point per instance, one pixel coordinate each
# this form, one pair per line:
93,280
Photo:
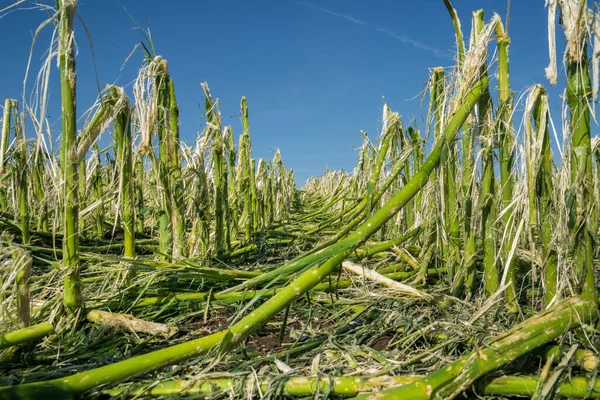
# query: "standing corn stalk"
226,134
72,152
4,141
232,193
262,193
474,59
178,215
139,191
446,175
98,191
66,45
467,163
540,186
245,172
123,156
161,77
22,258
414,136
22,167
272,191
38,165
201,225
253,193
278,185
596,153
506,153
487,194
391,127
215,134
575,17
82,175
21,163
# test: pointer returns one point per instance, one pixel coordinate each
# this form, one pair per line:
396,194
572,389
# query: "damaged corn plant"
457,260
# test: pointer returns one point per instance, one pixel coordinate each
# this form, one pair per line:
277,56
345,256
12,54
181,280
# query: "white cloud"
403,38
415,43
335,14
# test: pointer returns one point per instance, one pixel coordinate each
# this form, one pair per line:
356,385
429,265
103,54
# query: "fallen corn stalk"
293,386
128,322
385,281
25,335
297,386
584,359
449,381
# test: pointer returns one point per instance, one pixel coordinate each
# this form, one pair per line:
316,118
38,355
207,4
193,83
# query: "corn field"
458,259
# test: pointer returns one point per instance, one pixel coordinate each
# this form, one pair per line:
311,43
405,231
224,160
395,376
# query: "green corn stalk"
218,156
488,215
447,169
231,190
219,189
578,92
540,185
346,386
254,196
391,122
228,339
25,335
454,226
98,192
4,141
245,178
227,212
70,264
38,181
262,194
139,191
82,173
417,160
466,275
270,193
296,386
178,214
358,171
204,209
22,167
460,43
597,159
123,157
487,194
506,153
164,162
279,186
448,382
72,152
585,359
370,191
574,387
219,166
292,185
390,130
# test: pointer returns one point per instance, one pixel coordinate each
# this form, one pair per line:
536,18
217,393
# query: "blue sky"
314,72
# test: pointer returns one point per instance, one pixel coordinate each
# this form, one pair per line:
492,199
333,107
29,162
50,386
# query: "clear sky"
314,72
